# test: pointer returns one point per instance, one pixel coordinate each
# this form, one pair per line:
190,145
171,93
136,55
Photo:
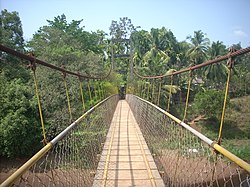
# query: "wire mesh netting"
181,157
73,160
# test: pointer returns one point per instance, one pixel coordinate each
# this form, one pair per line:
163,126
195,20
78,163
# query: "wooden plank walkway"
126,160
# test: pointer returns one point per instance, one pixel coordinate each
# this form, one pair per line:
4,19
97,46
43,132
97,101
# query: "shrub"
20,132
209,103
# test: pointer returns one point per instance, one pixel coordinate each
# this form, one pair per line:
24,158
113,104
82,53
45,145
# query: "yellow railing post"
170,93
159,93
83,103
99,90
230,63
152,99
148,90
94,86
67,95
145,89
188,92
90,96
33,67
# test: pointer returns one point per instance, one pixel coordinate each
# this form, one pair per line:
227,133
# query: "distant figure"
122,92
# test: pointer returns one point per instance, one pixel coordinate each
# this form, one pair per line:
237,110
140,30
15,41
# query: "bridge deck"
126,159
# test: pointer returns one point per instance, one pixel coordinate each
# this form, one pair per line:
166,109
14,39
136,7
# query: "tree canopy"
66,44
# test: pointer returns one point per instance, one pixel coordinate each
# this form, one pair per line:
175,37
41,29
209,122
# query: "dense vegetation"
67,44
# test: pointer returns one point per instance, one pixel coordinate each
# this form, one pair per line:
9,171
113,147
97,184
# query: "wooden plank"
126,159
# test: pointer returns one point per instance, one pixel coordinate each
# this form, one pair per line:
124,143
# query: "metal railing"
71,158
184,156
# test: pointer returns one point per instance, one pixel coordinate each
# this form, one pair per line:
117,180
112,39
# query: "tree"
216,73
198,51
239,83
156,51
11,30
156,58
66,44
19,125
122,29
183,58
11,36
141,43
120,32
209,103
19,121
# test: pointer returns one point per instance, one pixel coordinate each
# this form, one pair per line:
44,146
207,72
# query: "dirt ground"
198,171
175,171
54,177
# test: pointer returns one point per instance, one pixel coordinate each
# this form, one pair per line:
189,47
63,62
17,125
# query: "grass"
240,148
236,128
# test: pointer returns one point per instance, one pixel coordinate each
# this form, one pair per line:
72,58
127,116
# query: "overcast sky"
224,20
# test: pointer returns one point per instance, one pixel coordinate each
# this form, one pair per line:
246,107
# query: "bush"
209,103
20,133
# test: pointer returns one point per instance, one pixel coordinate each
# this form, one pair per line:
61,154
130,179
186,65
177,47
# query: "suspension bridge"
131,142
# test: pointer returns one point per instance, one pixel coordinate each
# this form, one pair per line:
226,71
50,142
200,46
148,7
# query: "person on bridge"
122,92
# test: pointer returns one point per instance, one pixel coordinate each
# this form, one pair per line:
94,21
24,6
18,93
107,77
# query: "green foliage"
11,36
155,51
239,85
242,151
11,30
66,44
216,73
19,122
209,103
236,124
199,48
109,88
122,29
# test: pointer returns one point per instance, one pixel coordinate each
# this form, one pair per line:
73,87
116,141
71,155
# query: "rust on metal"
43,63
209,62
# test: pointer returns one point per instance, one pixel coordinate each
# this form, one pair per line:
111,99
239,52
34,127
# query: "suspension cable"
144,89
33,68
37,61
230,63
153,85
94,86
188,92
83,103
170,93
90,96
148,91
102,90
141,91
209,62
159,93
99,90
67,95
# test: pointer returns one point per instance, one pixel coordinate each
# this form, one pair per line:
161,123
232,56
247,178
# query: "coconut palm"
157,50
216,72
199,47
155,58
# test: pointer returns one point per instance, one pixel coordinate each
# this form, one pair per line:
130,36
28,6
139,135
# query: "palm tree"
154,50
199,47
216,72
156,58
140,43
183,57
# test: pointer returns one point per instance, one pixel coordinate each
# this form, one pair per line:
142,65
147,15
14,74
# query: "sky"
223,20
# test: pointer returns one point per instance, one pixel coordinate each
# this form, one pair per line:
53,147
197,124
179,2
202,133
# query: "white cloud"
240,33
